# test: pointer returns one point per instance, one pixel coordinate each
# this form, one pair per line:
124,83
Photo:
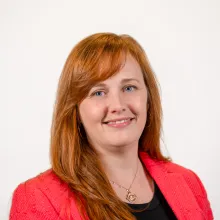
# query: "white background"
182,40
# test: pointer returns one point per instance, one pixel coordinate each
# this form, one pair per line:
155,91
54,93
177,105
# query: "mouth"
119,123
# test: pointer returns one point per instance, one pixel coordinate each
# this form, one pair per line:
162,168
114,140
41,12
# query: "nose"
116,103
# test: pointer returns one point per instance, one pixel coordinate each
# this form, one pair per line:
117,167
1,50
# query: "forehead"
130,69
131,65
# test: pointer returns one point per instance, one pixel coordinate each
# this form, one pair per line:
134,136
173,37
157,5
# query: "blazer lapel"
174,188
172,185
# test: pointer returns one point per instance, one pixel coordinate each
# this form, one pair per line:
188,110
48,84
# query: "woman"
105,144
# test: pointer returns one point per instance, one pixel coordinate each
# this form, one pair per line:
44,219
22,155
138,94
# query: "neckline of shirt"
153,203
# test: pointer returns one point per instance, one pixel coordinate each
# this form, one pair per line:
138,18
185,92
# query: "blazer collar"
174,188
172,185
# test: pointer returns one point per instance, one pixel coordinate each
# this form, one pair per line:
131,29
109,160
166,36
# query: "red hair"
73,159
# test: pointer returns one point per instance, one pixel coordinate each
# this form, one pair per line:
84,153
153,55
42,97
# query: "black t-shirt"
158,208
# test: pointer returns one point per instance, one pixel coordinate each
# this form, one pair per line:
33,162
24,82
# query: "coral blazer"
46,197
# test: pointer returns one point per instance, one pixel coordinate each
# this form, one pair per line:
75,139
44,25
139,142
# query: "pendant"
131,197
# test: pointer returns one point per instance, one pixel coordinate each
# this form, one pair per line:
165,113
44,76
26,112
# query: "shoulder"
172,167
194,183
159,168
191,178
37,194
43,182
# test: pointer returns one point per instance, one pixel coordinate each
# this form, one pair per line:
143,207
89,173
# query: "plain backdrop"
182,41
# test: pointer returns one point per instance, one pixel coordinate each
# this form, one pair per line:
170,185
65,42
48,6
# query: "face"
114,112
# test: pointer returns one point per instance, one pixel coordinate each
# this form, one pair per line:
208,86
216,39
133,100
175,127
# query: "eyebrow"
123,81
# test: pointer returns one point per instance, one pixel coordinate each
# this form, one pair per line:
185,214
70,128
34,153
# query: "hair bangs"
98,63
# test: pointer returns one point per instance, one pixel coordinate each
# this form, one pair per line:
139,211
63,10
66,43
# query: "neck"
121,166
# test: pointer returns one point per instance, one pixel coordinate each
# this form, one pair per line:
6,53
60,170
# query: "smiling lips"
119,123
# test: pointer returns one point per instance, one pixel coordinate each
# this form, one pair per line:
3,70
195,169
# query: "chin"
121,143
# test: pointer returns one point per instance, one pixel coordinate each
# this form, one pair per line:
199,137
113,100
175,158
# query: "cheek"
90,113
142,111
139,105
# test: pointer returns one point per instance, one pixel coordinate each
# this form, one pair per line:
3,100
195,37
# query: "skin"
115,98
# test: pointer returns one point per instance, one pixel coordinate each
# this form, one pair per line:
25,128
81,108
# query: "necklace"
131,197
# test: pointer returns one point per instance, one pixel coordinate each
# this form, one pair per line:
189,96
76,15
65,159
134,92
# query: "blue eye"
130,88
97,93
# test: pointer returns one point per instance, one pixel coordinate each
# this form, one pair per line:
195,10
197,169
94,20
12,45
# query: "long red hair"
73,159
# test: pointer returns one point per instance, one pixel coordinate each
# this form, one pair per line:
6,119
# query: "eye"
98,93
130,88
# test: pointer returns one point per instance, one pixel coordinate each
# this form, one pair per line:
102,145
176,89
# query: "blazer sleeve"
202,199
29,203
